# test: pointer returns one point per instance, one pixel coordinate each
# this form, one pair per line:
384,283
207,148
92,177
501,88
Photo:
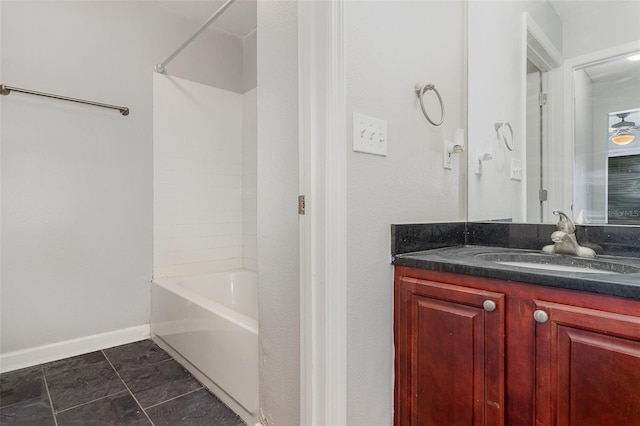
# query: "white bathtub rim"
237,318
237,286
229,314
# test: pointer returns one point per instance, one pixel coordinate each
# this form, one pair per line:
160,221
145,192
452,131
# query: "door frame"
323,227
541,51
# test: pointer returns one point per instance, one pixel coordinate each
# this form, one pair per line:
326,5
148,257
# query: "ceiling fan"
622,133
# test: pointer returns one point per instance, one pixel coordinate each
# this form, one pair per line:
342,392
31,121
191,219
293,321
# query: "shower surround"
205,228
204,178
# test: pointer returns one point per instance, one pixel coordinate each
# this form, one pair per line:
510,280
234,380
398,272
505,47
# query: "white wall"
584,177
497,92
76,180
496,75
249,61
197,152
389,47
546,18
216,57
278,245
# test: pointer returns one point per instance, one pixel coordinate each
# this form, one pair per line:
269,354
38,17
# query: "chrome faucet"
564,239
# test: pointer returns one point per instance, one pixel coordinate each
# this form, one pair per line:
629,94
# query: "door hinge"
301,204
542,99
542,195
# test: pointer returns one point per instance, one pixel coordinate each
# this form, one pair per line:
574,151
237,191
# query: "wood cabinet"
469,352
587,367
460,379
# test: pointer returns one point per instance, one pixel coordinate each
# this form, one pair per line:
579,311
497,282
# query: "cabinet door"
450,355
587,367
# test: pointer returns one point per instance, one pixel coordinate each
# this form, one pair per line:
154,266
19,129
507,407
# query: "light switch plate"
516,169
369,135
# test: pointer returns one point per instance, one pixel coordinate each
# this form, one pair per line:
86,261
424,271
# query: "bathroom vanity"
479,341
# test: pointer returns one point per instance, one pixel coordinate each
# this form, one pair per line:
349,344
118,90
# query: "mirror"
558,73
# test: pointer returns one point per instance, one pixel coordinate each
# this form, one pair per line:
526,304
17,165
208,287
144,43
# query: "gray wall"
249,61
408,185
77,180
383,63
278,247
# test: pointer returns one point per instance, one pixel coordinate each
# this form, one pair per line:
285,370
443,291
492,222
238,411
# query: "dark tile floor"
134,384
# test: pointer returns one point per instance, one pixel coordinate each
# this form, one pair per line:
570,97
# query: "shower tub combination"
209,323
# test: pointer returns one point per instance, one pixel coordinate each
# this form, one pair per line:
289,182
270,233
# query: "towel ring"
508,140
421,89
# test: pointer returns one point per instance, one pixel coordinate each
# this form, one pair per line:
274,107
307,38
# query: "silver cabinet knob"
541,316
489,305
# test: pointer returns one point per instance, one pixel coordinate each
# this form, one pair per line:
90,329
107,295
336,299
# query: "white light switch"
369,134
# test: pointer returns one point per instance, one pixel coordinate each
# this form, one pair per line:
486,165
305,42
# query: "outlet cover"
447,161
369,135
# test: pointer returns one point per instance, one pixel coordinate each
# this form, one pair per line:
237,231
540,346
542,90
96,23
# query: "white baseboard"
33,356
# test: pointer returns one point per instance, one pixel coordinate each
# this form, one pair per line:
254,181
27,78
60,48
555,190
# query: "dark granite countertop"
468,260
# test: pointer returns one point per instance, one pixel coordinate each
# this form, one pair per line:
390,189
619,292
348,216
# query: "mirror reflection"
607,154
565,75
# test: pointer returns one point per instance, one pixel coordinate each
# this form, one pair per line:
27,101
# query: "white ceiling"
569,11
618,70
580,12
239,19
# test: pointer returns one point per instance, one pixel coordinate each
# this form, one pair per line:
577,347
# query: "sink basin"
559,263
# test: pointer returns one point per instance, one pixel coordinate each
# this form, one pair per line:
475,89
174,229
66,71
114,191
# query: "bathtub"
209,323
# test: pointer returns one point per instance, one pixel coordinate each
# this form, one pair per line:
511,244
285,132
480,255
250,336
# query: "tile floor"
134,384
